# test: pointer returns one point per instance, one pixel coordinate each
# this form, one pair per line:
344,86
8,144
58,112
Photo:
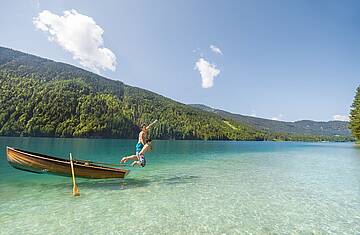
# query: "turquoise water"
188,187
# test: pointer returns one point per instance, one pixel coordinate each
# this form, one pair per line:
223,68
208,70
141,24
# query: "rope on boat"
100,163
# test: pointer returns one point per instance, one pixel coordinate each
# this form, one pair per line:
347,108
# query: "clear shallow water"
188,187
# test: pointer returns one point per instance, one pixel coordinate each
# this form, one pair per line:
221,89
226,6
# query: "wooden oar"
75,187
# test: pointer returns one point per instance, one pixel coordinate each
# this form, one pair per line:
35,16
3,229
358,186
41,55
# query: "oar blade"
76,191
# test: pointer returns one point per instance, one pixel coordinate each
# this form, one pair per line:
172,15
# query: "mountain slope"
40,97
304,127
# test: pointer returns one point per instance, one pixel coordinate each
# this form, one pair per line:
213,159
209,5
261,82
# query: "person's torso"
142,137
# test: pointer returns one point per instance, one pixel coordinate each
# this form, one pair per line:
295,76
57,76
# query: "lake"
188,187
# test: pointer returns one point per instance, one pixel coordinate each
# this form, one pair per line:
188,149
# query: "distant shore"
265,140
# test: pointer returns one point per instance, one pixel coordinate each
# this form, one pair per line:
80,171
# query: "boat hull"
42,164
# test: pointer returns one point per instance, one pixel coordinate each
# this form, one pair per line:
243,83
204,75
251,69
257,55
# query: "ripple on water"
263,189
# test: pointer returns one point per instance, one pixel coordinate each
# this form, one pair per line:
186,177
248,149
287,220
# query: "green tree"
39,97
355,115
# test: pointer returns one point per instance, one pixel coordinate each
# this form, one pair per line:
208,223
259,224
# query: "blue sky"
287,60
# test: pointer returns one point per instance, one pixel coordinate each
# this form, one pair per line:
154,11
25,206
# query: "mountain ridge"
41,97
296,127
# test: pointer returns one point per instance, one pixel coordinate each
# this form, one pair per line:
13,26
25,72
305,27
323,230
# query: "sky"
280,59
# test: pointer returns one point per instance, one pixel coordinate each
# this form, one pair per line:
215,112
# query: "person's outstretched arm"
147,128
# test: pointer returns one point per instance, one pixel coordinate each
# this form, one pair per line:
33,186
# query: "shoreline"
357,144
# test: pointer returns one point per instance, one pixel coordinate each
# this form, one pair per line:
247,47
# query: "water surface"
188,187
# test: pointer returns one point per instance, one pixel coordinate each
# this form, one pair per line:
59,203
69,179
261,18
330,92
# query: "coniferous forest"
40,97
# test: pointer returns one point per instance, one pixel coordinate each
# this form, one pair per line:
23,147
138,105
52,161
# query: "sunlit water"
188,187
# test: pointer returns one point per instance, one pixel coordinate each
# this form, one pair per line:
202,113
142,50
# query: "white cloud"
339,117
207,71
215,49
80,35
277,118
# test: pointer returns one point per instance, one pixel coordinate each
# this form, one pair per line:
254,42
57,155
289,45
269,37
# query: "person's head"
143,127
148,142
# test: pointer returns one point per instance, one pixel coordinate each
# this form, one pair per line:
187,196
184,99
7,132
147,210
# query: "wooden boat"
43,164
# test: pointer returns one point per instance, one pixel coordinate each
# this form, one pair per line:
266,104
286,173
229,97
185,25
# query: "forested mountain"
355,115
304,127
40,97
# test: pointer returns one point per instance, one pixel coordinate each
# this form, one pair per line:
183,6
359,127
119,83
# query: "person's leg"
132,157
142,160
137,163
